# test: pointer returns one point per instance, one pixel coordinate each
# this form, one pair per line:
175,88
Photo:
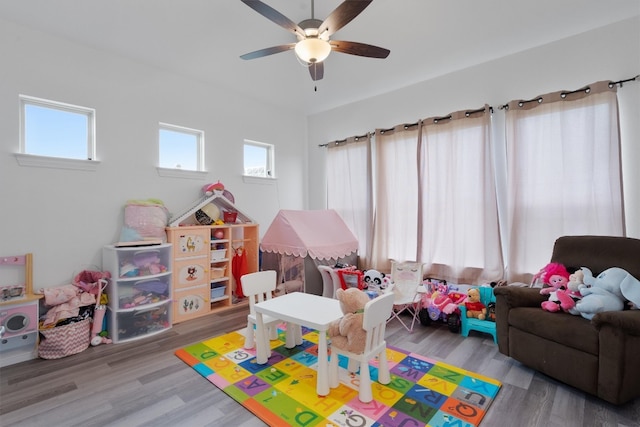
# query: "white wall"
611,52
65,217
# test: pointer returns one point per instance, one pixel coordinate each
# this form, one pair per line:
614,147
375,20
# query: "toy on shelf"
216,188
144,220
210,209
207,214
441,304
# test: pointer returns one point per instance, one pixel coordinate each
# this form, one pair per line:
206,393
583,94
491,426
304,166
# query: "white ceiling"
203,39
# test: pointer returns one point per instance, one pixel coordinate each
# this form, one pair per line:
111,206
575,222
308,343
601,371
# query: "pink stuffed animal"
557,277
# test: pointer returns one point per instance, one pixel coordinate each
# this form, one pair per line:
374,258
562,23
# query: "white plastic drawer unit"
140,322
140,290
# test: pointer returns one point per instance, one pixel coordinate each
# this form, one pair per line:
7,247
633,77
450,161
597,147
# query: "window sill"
181,173
258,180
56,162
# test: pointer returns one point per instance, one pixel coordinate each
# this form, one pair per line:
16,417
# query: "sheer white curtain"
396,191
460,238
564,178
349,188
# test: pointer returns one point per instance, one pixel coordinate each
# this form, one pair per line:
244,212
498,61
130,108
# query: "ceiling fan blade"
275,16
317,71
268,51
360,49
342,15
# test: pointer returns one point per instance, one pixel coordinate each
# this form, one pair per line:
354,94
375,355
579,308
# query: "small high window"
181,148
54,129
258,159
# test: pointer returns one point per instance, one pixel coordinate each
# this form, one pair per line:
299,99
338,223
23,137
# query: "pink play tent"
297,241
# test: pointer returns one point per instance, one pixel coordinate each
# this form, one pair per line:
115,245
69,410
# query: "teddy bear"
475,308
346,333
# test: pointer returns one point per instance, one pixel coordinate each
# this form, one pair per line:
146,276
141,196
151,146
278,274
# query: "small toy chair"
330,281
376,313
469,323
258,287
406,279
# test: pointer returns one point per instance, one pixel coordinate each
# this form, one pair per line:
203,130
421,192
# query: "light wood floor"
143,384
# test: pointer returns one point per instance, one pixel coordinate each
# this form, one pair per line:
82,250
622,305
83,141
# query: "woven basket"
66,340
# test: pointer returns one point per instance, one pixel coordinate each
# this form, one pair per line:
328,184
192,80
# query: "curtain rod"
587,89
406,126
619,83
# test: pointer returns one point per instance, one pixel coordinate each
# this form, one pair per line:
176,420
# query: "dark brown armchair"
600,357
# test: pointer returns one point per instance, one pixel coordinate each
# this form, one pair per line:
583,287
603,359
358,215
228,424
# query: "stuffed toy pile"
347,333
584,295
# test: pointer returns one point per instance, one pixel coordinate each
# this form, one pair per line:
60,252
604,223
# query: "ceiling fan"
314,44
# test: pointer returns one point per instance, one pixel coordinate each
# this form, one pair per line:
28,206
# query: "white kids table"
303,309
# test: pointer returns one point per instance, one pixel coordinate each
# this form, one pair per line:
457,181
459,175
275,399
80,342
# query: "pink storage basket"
66,340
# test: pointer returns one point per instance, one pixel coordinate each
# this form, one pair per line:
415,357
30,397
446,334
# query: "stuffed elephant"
607,291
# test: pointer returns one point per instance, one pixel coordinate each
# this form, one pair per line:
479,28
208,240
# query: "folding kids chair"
406,279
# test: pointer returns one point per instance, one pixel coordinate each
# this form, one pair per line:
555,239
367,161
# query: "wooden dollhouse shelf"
217,199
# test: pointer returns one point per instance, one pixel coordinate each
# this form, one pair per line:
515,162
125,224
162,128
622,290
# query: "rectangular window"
54,129
258,159
181,148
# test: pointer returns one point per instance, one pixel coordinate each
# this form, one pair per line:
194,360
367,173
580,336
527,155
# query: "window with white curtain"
460,239
349,188
435,192
564,177
396,208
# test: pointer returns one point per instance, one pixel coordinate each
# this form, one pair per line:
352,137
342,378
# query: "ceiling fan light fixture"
312,50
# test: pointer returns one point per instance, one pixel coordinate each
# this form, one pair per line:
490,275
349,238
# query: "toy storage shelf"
140,298
19,312
19,338
203,281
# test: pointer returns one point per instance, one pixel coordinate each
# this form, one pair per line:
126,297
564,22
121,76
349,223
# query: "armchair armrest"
515,296
628,321
508,297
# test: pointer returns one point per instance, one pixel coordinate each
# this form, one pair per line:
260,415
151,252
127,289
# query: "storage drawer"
191,242
218,272
218,291
140,322
137,293
218,255
190,303
191,272
137,262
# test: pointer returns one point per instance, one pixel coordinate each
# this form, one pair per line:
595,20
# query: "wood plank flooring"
142,383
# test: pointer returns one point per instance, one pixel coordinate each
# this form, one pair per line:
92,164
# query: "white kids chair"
330,281
258,287
374,323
